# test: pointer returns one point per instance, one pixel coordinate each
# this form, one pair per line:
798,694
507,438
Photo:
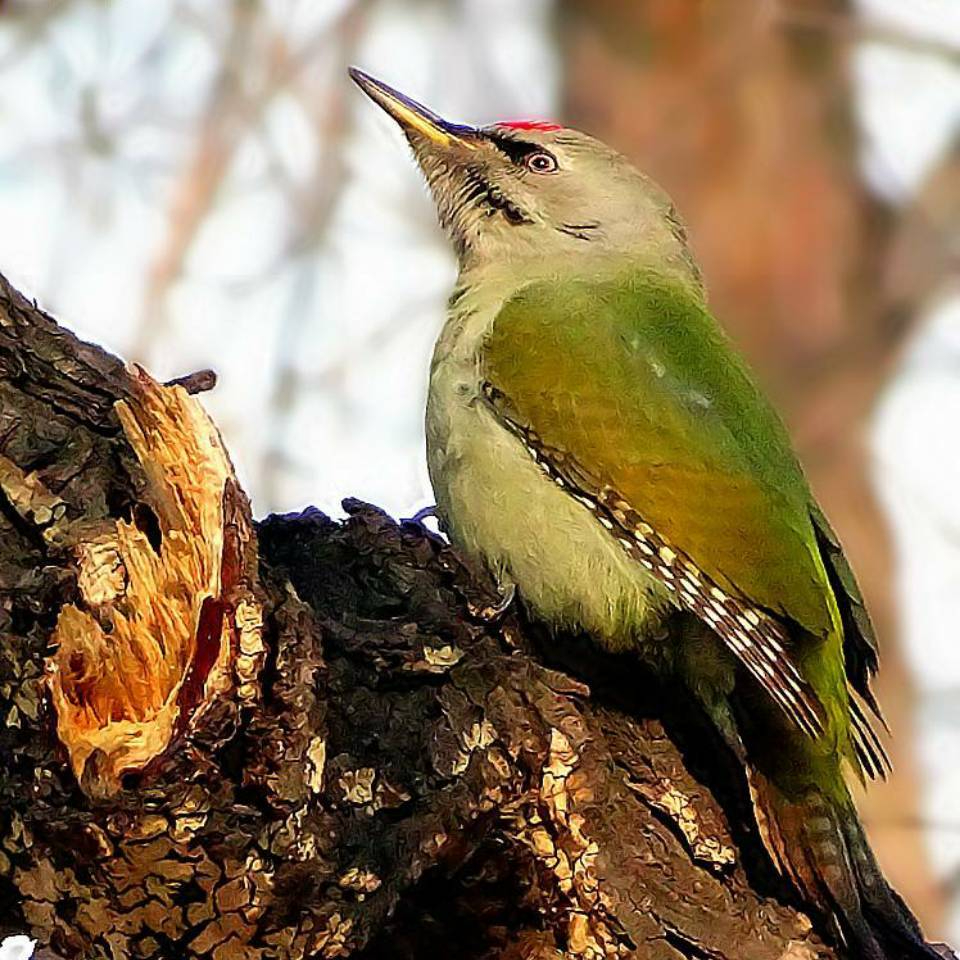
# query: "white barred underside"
757,639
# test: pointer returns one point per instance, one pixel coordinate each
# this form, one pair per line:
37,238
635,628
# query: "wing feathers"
758,641
873,758
860,653
861,656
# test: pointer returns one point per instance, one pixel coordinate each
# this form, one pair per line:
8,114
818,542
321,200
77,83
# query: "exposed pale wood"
150,642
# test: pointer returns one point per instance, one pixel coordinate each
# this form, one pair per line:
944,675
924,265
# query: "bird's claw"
423,514
417,521
493,613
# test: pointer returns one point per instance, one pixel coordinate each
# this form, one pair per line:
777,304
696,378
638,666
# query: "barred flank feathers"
758,641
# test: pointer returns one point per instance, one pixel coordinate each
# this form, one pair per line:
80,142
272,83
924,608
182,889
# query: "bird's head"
532,189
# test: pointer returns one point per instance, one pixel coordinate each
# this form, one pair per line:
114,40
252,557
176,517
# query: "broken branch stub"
167,620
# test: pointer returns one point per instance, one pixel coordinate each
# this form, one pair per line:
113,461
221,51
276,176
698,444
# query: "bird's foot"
423,514
418,520
493,613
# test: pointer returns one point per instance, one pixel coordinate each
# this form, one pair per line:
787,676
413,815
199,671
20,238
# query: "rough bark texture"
310,747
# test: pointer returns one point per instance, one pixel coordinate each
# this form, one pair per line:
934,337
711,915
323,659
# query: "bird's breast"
502,510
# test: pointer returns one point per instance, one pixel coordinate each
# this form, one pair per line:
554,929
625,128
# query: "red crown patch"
543,125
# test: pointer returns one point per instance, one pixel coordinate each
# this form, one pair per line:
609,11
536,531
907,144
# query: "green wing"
859,641
628,388
860,653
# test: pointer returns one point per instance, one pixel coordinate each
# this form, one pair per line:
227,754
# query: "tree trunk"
303,740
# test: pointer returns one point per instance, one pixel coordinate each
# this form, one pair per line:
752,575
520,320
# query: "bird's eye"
541,162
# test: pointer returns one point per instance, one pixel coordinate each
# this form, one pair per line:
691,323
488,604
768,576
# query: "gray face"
511,192
542,191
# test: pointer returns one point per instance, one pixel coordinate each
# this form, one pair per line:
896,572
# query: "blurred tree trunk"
745,114
297,741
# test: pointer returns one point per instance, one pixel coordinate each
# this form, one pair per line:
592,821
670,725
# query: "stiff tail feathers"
871,755
820,847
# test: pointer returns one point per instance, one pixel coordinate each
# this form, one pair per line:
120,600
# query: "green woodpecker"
596,442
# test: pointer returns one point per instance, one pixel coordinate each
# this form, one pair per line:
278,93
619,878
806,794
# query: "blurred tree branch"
237,100
853,28
219,130
33,19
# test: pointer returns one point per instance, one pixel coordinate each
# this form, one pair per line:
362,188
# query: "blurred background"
195,183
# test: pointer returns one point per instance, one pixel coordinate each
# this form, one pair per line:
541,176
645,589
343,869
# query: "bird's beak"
414,118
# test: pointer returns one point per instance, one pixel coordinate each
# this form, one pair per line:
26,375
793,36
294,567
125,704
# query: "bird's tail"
818,843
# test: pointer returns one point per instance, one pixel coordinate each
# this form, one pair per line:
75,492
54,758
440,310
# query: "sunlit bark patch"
151,642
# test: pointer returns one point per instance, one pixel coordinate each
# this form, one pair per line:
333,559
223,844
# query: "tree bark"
301,739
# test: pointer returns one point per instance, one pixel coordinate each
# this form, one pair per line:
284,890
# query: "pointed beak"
414,118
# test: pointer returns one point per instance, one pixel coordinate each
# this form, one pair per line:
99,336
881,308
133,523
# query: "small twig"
198,382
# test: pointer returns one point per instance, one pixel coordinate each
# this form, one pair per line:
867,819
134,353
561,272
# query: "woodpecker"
596,442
